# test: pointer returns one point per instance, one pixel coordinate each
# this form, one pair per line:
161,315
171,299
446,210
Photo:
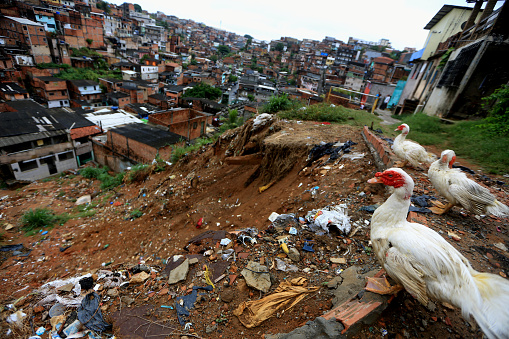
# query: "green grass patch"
107,181
467,138
179,152
136,214
323,112
34,220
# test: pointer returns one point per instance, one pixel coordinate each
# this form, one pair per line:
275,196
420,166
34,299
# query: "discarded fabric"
370,208
287,295
185,303
328,149
89,313
418,209
422,200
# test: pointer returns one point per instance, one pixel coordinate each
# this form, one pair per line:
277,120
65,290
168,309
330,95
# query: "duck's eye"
390,175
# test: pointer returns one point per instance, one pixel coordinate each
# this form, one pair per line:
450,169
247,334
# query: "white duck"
459,190
429,267
409,151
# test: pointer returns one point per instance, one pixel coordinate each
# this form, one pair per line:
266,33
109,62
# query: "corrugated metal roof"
24,21
148,135
443,12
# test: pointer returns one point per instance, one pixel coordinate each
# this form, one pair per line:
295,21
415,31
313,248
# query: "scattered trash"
261,120
370,208
418,209
199,223
185,303
16,318
89,313
332,149
321,220
422,200
500,246
293,231
286,296
86,199
283,266
273,216
308,247
354,155
225,242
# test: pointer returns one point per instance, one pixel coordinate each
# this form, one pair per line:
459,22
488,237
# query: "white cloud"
400,21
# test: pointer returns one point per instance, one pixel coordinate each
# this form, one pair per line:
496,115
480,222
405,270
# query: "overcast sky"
400,21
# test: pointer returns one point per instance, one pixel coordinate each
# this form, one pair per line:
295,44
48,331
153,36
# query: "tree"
104,6
194,62
162,23
279,47
89,41
137,8
251,97
144,57
203,90
232,78
223,50
213,58
247,36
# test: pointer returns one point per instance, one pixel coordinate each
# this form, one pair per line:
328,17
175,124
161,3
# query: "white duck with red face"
459,190
409,151
428,266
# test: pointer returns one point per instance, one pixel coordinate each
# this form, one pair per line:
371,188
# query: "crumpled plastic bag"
287,295
321,220
90,315
283,266
261,120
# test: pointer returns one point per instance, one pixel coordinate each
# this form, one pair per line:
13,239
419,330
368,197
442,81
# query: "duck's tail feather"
493,313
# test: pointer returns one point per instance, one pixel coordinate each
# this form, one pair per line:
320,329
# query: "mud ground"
226,194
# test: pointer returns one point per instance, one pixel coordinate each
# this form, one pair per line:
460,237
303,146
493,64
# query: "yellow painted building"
448,21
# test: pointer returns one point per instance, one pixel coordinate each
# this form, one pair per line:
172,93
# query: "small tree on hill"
203,90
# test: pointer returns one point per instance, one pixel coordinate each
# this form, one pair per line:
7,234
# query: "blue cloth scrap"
189,300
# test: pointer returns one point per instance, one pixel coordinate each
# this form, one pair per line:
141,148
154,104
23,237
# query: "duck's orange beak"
377,179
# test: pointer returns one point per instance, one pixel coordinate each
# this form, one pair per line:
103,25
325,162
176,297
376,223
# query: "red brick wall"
383,151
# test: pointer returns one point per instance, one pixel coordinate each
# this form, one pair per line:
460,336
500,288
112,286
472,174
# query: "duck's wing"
471,195
416,255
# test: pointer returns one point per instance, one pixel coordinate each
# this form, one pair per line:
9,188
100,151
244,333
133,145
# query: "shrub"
277,103
321,112
38,218
497,122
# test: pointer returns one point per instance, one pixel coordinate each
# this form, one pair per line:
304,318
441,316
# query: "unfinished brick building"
186,122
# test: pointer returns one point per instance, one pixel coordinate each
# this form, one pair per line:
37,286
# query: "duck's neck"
393,212
401,137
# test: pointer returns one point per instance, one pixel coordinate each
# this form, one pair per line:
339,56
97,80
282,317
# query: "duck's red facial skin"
453,160
391,178
400,128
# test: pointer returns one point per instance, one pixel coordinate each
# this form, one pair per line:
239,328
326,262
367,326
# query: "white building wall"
42,170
